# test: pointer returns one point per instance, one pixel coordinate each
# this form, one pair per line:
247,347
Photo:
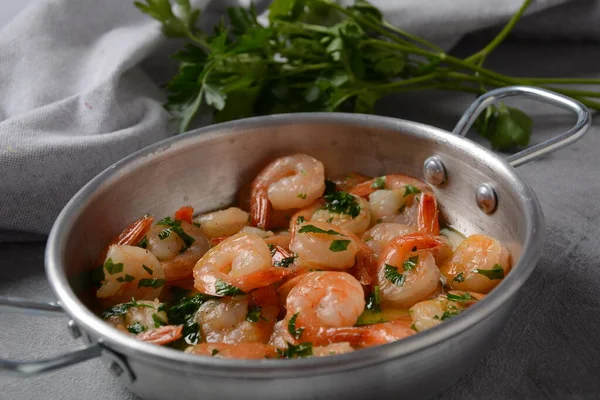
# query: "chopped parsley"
136,328
330,187
314,229
497,272
374,300
411,263
449,314
459,278
296,333
285,262
293,351
342,203
460,297
379,183
214,352
302,196
368,239
223,288
410,189
329,220
300,220
126,278
253,314
151,283
113,268
183,313
158,321
175,226
121,309
414,328
148,270
391,274
339,245
143,243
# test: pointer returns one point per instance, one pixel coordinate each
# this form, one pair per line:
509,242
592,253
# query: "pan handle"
35,367
582,125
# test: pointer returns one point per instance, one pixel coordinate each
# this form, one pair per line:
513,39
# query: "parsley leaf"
121,309
148,270
126,278
342,203
158,321
214,352
300,220
223,288
460,297
285,262
391,274
296,333
302,196
183,312
330,187
113,268
253,314
143,243
151,283
314,229
136,328
339,245
459,278
296,351
374,300
411,189
411,263
449,314
497,272
175,226
379,183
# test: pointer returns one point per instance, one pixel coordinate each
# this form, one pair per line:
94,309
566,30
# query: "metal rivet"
486,198
73,329
434,171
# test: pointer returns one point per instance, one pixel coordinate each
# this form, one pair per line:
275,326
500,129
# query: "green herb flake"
411,263
165,233
223,288
449,314
126,278
121,309
300,220
143,243
151,283
113,268
339,245
302,196
374,300
148,270
285,262
314,229
459,278
214,352
136,328
411,189
329,220
497,272
175,227
158,321
391,274
460,297
342,203
253,314
296,351
296,333
379,183
414,327
368,239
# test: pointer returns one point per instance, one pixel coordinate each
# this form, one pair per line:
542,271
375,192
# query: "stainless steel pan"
478,192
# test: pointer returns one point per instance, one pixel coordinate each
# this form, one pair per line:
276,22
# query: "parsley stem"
558,81
482,54
412,37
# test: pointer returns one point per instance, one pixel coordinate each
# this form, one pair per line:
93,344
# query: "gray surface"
551,346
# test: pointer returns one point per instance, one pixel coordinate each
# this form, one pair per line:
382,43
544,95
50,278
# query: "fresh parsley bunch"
315,55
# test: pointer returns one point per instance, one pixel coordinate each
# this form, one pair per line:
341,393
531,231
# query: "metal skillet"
478,191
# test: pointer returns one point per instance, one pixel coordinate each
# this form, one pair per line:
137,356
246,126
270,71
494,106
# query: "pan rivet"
75,332
434,171
486,198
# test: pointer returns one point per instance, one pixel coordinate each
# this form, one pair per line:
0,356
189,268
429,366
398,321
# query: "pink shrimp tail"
163,335
260,206
428,214
364,189
365,268
260,278
364,336
131,236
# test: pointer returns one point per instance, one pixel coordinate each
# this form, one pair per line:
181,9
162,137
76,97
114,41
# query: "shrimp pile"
305,266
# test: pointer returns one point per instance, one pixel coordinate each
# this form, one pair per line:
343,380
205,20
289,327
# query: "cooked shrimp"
381,234
293,181
323,300
240,350
237,320
281,239
139,316
368,335
130,271
177,254
478,264
349,181
239,263
221,223
389,182
163,335
406,274
429,313
132,235
428,220
332,349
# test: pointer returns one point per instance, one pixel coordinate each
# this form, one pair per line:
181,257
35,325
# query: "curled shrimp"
239,350
293,181
241,262
130,271
381,234
236,320
388,182
368,335
161,336
177,245
478,264
405,273
429,313
223,223
132,235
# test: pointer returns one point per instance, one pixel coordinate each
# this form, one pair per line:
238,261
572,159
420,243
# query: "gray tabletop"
550,347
